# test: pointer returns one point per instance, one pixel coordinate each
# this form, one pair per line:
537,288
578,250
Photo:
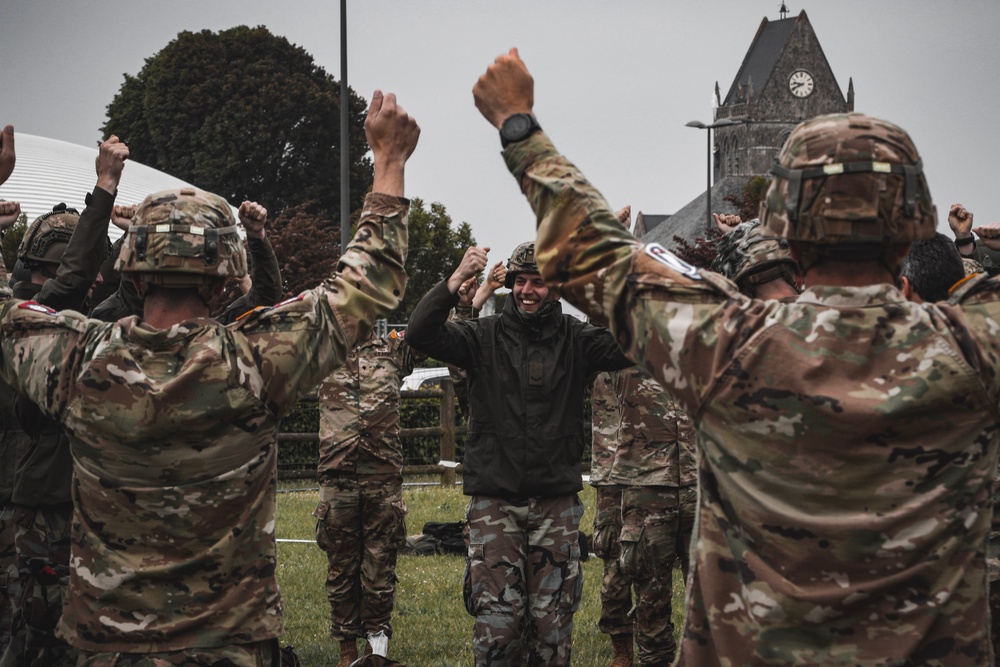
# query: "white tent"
49,171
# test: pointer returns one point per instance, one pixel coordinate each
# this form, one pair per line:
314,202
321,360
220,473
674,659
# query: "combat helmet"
749,257
46,238
522,260
183,238
850,187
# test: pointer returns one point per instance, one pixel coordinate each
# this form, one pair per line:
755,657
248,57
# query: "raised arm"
7,154
265,283
87,248
370,279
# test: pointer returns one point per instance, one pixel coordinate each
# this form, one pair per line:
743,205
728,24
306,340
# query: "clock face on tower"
800,83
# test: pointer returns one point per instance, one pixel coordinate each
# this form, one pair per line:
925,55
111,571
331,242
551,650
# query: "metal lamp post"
708,191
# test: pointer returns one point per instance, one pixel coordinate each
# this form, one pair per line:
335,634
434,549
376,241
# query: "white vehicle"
424,378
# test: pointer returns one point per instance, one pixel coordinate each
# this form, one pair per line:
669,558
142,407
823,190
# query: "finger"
8,140
376,103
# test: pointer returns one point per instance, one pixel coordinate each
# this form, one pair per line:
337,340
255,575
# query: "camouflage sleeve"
302,340
84,254
39,352
661,310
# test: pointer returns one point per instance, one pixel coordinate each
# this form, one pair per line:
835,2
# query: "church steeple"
783,11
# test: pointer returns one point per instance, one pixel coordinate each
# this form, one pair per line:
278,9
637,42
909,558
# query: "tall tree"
435,251
245,114
308,249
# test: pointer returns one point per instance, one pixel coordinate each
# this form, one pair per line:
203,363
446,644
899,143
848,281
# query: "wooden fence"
446,430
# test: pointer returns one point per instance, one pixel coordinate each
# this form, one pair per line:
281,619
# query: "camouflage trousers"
42,543
10,586
259,654
523,579
616,588
361,526
657,522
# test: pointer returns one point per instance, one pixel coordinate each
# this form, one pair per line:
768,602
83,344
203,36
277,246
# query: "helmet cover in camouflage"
749,257
184,237
849,179
46,238
522,260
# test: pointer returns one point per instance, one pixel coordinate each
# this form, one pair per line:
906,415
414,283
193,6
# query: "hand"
726,223
960,221
624,216
121,216
497,277
393,136
253,216
7,156
466,292
989,235
10,211
110,162
505,89
471,264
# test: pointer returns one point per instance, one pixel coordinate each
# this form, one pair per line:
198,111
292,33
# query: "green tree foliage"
245,114
307,247
748,203
435,252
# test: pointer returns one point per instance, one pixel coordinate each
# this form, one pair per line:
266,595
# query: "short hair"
932,266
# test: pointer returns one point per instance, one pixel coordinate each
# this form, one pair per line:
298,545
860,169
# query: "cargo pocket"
632,558
473,559
571,590
606,545
399,527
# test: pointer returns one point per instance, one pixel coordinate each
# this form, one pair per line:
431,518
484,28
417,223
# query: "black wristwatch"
518,127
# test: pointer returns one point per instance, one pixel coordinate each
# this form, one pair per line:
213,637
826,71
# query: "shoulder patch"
672,261
37,307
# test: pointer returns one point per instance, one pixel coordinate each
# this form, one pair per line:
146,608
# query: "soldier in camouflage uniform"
762,267
655,464
616,588
13,443
62,273
360,516
848,440
526,371
173,420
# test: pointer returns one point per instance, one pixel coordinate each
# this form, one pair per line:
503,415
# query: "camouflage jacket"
848,441
655,437
359,409
173,435
605,420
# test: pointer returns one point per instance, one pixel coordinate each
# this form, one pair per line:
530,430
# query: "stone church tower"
784,79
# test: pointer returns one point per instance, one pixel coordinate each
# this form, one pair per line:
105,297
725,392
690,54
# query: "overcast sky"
615,82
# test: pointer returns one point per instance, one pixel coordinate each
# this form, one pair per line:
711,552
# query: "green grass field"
431,626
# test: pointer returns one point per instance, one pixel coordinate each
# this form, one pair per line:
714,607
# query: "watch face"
800,83
515,127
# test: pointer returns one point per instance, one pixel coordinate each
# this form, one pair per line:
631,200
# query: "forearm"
370,280
266,288
84,254
427,330
581,247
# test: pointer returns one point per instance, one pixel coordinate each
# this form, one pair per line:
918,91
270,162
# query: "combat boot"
623,651
348,652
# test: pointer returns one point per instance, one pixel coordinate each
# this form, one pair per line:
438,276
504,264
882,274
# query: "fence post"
446,414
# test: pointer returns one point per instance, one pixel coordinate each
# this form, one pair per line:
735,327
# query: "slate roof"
767,45
689,222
